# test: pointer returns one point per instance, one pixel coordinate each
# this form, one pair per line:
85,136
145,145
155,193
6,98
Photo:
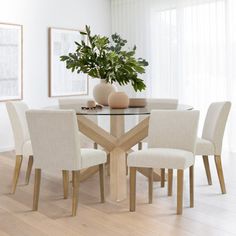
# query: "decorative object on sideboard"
137,102
118,100
107,60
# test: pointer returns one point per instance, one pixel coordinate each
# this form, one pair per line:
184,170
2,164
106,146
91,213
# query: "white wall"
36,16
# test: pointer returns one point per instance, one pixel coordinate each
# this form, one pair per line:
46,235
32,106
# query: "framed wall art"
11,62
62,82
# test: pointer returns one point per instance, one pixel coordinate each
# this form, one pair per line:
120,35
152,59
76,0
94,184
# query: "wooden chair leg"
126,163
29,169
150,186
220,173
170,181
101,177
95,145
163,177
140,146
207,169
132,202
18,163
108,164
191,185
37,181
75,192
65,176
180,180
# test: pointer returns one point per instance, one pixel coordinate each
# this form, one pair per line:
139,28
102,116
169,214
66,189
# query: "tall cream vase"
101,92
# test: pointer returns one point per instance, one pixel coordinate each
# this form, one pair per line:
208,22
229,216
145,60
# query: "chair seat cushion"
161,158
27,149
204,147
92,157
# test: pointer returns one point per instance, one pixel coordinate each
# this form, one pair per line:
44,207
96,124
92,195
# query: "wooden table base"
117,143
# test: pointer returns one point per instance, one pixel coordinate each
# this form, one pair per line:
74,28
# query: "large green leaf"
102,58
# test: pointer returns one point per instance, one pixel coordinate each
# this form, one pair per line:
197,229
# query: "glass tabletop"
128,111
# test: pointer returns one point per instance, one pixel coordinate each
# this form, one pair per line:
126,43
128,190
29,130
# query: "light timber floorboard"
213,213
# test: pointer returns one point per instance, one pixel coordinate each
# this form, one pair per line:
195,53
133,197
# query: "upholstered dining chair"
16,111
210,144
158,104
56,145
171,144
73,103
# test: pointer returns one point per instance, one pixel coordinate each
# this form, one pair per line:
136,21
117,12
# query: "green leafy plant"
108,60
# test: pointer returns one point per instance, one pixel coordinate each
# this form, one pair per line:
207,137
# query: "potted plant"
107,60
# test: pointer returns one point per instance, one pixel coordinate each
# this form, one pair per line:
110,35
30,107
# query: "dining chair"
56,145
158,104
210,144
171,145
77,103
16,111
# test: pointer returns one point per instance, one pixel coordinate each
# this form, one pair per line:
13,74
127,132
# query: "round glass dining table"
117,142
114,112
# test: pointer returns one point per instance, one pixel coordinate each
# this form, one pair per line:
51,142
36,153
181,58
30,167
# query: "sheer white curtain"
191,48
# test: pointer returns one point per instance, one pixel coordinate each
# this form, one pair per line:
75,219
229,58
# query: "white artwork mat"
62,81
10,62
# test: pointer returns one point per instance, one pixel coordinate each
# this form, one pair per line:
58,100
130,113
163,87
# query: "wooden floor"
214,214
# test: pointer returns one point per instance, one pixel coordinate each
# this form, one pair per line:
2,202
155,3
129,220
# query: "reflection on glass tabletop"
108,111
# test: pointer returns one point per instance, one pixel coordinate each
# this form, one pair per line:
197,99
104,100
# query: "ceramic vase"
118,100
101,92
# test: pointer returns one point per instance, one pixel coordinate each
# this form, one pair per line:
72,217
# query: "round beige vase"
118,100
101,92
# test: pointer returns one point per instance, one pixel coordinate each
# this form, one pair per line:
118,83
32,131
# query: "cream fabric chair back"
16,112
73,103
55,139
214,126
173,129
160,104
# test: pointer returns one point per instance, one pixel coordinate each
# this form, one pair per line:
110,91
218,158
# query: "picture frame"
62,82
11,62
